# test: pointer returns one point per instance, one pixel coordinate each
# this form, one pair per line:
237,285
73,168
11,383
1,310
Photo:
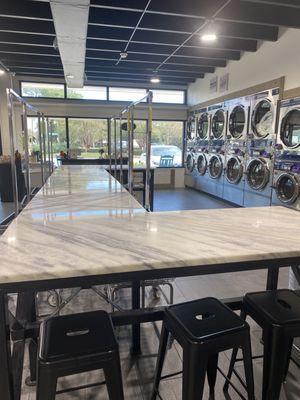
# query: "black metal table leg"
136,329
272,280
6,380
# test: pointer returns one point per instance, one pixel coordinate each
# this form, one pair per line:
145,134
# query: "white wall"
271,61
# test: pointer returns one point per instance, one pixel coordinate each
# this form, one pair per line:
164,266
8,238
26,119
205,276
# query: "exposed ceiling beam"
284,3
71,24
186,52
264,11
224,28
222,44
261,13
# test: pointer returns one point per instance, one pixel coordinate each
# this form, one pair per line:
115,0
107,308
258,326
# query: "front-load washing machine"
216,157
190,173
190,136
202,162
238,120
234,181
288,137
203,139
286,181
260,148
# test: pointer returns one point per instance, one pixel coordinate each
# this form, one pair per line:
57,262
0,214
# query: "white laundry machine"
238,123
190,173
261,148
286,180
203,140
190,136
216,154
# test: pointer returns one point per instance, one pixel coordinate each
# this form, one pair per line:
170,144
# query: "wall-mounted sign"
224,83
213,84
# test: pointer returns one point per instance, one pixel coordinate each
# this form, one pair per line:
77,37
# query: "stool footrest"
73,389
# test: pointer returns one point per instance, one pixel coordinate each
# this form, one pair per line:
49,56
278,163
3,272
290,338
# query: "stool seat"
203,328
205,319
70,336
279,307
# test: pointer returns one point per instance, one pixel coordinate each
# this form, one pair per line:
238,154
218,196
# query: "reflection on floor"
185,199
138,372
6,209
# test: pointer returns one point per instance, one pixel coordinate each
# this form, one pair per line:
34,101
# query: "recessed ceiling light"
70,76
2,71
155,79
209,37
123,55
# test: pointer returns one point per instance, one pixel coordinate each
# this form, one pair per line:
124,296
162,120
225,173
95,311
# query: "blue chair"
166,161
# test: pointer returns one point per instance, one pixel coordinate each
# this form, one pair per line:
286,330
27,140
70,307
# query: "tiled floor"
185,199
138,372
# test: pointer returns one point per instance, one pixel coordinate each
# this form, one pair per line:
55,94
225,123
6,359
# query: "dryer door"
218,124
215,166
190,163
287,188
190,128
237,121
202,164
202,126
262,118
290,129
258,174
234,170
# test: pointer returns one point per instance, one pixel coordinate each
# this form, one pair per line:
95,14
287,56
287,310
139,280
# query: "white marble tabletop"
83,223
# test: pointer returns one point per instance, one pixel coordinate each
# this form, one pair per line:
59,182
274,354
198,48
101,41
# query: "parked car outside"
159,151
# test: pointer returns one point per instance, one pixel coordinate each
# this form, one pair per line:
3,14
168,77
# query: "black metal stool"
203,328
72,344
277,312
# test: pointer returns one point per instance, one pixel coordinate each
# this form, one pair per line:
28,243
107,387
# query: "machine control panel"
288,163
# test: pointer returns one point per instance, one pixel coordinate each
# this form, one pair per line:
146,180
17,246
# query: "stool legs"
46,383
193,378
113,378
212,374
161,358
276,355
248,366
231,368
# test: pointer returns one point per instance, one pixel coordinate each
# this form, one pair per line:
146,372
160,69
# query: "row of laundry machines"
246,150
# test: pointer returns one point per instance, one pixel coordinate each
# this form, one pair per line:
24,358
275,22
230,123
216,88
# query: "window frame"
45,83
85,86
65,97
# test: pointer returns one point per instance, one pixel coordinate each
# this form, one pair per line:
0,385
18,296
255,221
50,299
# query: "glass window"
36,89
168,96
89,137
58,133
126,94
87,93
166,146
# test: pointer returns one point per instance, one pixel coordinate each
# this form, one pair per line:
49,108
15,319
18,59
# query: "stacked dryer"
216,157
190,175
286,181
235,155
202,140
260,148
